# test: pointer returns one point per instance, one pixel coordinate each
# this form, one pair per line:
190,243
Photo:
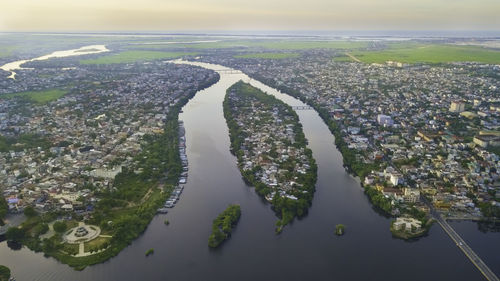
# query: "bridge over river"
473,257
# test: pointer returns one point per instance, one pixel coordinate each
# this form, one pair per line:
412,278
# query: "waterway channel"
306,250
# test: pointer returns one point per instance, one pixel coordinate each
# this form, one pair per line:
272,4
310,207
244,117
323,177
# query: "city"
298,144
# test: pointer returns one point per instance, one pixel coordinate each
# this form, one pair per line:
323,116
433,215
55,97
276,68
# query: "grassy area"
268,56
38,96
70,249
343,58
98,243
428,53
133,56
270,44
299,45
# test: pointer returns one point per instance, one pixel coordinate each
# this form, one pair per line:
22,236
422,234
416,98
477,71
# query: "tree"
15,234
59,226
4,273
4,207
30,212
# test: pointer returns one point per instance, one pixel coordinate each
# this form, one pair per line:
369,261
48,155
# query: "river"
86,50
306,250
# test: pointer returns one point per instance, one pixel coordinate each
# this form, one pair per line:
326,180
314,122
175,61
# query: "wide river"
86,50
306,250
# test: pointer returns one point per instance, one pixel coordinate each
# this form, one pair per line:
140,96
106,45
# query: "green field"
268,56
269,44
38,96
134,56
428,53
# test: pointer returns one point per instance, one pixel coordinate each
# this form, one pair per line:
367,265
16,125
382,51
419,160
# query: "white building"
384,120
407,224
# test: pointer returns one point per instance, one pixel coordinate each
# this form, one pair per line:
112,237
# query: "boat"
162,210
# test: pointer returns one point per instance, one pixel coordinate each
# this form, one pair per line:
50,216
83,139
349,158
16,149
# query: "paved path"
353,57
81,249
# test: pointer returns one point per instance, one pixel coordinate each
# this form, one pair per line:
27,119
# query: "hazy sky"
164,15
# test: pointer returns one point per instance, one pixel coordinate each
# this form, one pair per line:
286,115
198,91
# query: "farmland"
134,56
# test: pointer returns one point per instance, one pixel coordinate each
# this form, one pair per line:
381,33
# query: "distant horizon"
451,33
228,15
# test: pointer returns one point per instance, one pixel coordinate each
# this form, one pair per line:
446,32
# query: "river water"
306,250
86,50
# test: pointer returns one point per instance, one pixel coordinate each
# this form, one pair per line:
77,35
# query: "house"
408,224
411,195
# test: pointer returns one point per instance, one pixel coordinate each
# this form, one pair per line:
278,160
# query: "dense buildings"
405,129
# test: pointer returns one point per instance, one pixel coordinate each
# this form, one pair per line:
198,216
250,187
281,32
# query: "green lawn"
268,56
133,56
39,96
429,53
269,44
98,243
300,45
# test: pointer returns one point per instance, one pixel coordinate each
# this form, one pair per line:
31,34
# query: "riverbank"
124,213
267,138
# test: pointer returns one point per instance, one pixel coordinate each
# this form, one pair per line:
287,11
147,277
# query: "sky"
178,15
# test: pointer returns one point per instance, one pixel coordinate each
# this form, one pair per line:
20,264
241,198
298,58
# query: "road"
474,258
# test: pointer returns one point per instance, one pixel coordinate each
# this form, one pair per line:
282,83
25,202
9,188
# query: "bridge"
228,71
302,107
473,257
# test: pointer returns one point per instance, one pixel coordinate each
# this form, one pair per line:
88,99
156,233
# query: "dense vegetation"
378,199
223,225
339,229
24,141
4,273
124,212
287,209
4,208
150,252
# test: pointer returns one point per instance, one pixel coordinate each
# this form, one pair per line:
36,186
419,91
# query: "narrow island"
339,229
223,225
267,138
150,252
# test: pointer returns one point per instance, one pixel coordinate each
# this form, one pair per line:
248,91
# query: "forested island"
223,225
267,138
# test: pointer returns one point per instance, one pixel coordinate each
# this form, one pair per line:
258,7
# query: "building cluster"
88,135
421,129
269,148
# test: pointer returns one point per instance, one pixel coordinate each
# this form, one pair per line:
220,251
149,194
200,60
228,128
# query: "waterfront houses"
271,148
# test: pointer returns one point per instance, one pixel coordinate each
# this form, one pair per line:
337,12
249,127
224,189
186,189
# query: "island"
267,138
339,229
223,225
150,252
4,273
407,228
